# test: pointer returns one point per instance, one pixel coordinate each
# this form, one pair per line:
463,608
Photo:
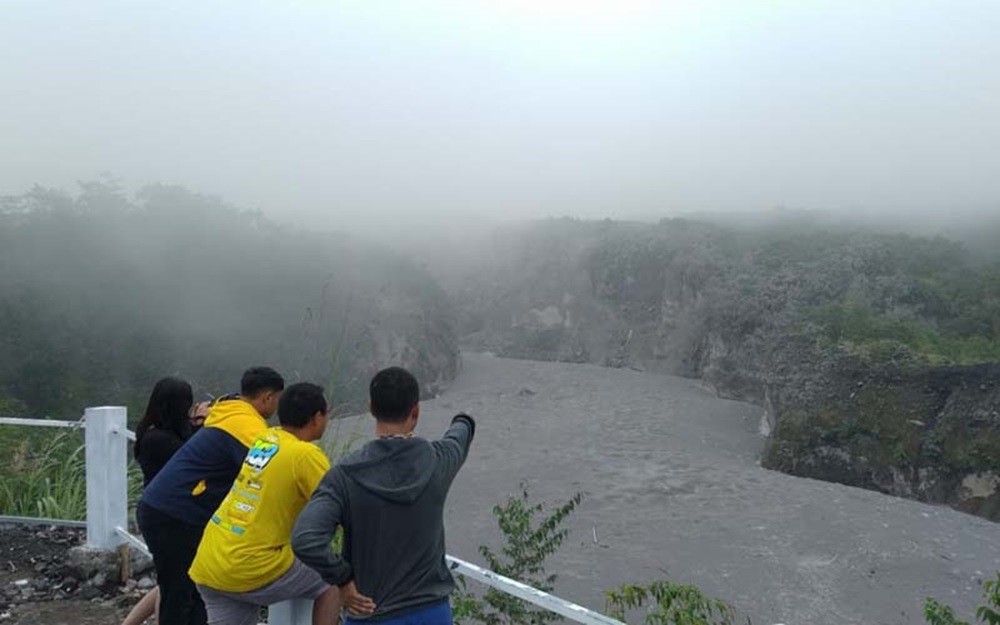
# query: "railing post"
294,612
107,475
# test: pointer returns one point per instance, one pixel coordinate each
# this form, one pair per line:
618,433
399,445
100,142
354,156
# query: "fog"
710,189
379,116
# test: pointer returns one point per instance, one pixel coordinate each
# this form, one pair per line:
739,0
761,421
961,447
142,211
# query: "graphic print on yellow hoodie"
246,543
191,486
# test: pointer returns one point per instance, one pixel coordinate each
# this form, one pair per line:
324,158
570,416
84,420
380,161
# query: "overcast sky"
348,112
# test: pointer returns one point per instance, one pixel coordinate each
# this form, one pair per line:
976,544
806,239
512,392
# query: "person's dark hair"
167,409
257,380
299,403
393,393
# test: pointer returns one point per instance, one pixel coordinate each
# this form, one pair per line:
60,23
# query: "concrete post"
107,475
294,612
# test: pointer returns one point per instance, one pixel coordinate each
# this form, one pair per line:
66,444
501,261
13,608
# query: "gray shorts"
243,608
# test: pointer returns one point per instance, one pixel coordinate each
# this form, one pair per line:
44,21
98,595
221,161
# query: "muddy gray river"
673,490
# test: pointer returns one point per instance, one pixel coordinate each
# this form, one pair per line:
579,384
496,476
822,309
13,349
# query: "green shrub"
937,613
668,604
879,336
527,545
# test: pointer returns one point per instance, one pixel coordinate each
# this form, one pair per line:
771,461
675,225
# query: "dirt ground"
22,549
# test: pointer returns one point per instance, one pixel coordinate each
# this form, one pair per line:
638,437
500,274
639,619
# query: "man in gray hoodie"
389,497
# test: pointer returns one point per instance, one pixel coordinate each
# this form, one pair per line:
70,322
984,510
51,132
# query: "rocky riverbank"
874,355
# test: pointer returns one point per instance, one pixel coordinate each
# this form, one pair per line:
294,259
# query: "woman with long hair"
164,427
168,421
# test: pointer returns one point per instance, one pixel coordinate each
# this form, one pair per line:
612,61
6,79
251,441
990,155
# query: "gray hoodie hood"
394,469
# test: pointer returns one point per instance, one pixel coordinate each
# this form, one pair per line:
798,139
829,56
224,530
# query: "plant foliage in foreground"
937,613
668,604
46,478
528,542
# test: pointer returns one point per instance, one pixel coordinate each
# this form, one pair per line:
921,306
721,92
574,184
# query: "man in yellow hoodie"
180,500
245,560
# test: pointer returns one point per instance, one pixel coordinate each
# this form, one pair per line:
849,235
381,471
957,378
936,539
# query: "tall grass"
47,476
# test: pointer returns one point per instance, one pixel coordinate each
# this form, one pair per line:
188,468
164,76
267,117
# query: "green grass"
46,475
862,330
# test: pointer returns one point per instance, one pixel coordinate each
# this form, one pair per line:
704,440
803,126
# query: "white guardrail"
105,448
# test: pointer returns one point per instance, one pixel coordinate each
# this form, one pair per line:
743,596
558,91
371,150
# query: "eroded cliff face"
737,312
412,327
923,433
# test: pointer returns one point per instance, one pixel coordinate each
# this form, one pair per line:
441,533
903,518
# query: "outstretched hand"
353,601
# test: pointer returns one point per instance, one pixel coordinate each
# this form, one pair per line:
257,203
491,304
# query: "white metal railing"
34,520
105,449
50,423
520,590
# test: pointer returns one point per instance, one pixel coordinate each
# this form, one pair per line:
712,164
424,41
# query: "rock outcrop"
846,338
